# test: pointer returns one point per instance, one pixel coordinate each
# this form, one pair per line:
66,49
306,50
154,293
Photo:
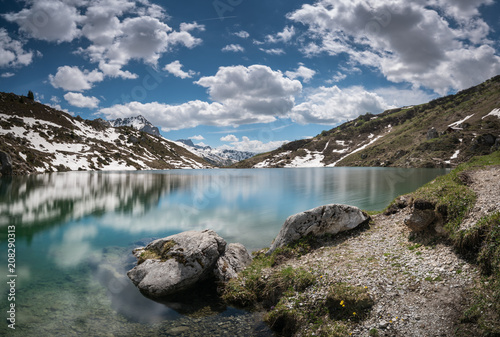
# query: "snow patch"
311,159
460,121
494,112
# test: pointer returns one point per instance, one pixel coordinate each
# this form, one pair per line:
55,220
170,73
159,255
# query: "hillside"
41,139
442,133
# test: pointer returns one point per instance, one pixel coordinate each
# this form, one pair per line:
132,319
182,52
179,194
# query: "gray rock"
6,163
177,262
420,219
234,260
432,133
329,219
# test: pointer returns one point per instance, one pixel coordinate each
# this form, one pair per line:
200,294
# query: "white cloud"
12,53
7,75
255,146
406,41
241,95
73,79
404,97
284,36
243,34
81,101
118,30
234,48
273,51
175,68
229,138
301,72
331,105
254,91
49,20
198,137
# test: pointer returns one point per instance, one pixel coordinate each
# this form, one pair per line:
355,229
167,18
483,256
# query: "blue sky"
244,74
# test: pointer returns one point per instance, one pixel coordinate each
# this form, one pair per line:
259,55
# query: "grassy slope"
406,145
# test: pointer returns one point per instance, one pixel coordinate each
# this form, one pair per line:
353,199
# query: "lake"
75,232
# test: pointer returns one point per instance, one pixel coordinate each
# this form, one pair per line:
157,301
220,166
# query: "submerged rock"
178,262
329,219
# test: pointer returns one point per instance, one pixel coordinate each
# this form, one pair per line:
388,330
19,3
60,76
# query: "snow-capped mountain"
217,157
38,138
139,123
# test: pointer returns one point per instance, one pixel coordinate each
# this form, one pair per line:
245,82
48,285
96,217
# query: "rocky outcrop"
432,133
178,262
422,215
234,260
329,219
6,164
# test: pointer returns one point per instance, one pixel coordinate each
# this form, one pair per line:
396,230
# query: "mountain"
217,157
442,133
139,123
39,138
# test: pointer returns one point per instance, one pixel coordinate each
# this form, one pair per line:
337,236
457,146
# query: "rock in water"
234,260
177,262
6,163
329,219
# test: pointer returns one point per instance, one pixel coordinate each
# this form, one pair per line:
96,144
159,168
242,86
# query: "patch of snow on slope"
460,122
494,112
312,159
357,150
454,156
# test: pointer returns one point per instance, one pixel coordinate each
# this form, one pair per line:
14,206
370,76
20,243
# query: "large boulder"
328,219
422,215
6,164
234,260
175,263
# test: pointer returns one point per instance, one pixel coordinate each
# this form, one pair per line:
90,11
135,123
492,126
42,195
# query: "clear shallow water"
75,232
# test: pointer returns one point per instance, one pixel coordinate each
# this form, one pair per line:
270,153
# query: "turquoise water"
75,232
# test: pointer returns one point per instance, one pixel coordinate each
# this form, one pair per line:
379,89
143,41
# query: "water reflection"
75,232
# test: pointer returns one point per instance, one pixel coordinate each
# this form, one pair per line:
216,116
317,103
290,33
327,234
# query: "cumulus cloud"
256,90
234,48
7,75
73,79
49,20
175,68
118,30
229,138
198,137
301,72
255,146
243,34
407,41
12,53
332,105
81,101
240,95
284,36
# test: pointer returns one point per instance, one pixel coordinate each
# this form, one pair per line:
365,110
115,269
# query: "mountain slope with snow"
139,123
217,157
41,139
442,133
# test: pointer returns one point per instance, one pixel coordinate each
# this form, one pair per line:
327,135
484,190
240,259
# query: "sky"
241,74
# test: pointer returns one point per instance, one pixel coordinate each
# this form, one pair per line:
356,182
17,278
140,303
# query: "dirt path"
418,288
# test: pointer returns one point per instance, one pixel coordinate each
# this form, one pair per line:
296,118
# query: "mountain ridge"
41,139
217,157
441,133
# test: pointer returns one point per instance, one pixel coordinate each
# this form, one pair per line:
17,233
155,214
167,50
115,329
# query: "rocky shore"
333,271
